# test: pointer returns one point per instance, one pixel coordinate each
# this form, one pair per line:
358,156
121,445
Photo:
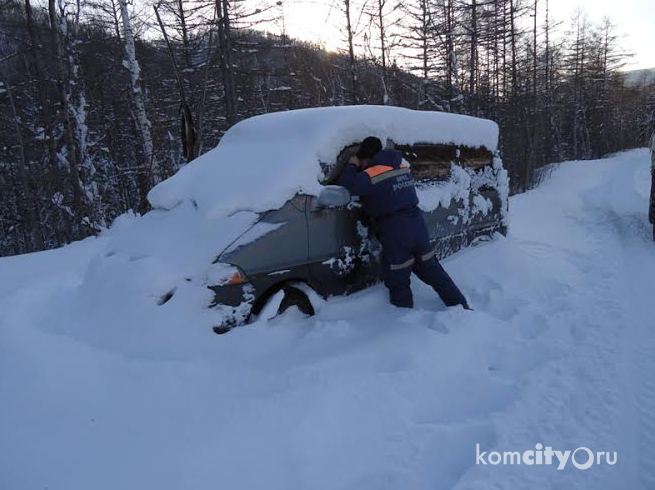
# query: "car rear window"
429,161
433,162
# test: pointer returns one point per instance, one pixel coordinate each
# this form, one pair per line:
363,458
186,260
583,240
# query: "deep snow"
207,208
559,350
279,154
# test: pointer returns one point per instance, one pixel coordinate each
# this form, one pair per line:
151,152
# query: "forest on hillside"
102,99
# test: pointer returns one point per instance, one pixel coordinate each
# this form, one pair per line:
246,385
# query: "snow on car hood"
149,275
182,239
263,161
147,257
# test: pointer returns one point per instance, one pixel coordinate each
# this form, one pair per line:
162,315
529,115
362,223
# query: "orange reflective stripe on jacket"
376,170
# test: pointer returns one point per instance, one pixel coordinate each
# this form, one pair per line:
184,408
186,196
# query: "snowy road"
559,351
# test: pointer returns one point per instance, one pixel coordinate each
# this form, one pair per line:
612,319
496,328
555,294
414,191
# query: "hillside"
640,78
87,135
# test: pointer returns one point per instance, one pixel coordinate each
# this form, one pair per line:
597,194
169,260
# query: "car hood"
164,249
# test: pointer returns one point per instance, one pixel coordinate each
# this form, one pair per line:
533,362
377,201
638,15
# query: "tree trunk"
473,67
351,55
225,59
383,51
33,239
152,173
74,118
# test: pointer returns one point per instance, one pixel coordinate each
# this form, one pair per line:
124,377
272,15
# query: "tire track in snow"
601,392
643,350
636,249
646,412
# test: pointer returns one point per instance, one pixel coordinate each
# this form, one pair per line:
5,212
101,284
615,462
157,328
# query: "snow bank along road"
559,351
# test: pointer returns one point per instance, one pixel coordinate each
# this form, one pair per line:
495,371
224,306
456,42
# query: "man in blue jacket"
385,186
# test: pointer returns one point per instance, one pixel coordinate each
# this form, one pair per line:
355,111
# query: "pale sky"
634,20
318,21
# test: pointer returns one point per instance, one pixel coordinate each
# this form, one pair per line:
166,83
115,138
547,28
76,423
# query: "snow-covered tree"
74,155
152,173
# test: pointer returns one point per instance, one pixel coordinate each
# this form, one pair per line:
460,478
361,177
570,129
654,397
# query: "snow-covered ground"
559,351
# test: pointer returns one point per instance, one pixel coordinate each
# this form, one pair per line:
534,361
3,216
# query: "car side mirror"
333,196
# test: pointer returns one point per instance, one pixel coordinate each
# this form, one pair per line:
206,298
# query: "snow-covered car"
285,232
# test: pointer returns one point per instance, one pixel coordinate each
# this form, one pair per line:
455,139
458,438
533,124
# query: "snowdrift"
274,156
101,389
259,164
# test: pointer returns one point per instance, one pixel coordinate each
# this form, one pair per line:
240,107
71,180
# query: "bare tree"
352,62
225,56
75,159
383,20
151,173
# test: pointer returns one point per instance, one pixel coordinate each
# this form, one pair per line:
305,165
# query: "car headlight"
225,275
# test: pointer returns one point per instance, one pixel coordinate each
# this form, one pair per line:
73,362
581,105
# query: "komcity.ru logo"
581,458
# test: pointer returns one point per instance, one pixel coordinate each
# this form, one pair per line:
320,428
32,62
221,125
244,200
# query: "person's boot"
401,297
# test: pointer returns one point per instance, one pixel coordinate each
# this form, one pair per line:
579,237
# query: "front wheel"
293,296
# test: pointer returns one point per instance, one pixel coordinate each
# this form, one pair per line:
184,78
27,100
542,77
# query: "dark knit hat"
369,147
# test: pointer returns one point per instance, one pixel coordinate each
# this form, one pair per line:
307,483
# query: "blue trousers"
405,249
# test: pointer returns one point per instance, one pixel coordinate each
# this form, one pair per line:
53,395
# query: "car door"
440,180
343,255
276,244
484,200
446,225
484,210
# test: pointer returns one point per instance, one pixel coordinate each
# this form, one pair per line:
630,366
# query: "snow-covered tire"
293,296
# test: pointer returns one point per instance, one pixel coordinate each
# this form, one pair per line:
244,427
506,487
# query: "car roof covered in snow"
263,161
